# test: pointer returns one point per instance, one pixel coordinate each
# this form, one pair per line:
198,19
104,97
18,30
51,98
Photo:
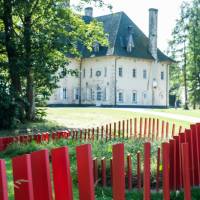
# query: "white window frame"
76,93
134,93
144,95
120,72
120,99
64,93
144,74
162,75
105,71
134,73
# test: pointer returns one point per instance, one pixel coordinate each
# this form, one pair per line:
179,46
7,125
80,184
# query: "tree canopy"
36,37
185,47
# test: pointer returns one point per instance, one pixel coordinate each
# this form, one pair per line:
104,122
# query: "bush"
8,107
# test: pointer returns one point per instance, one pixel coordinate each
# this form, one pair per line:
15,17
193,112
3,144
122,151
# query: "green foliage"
100,149
36,40
7,105
185,47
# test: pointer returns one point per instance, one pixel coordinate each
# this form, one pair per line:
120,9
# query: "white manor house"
131,71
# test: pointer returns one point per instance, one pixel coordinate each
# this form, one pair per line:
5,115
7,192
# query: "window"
120,97
134,73
144,95
92,94
98,73
144,74
105,94
120,72
105,71
76,94
162,75
134,97
98,95
91,72
88,94
83,73
64,93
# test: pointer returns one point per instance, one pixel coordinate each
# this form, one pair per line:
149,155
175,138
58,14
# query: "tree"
39,35
179,45
194,52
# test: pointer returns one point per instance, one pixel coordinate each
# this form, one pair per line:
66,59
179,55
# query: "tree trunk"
30,91
11,49
186,107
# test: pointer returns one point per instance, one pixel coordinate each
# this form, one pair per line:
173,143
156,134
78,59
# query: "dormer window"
130,42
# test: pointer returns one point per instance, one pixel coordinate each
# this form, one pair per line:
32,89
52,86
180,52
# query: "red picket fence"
33,180
32,176
153,129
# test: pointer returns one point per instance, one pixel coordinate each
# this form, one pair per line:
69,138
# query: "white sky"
137,10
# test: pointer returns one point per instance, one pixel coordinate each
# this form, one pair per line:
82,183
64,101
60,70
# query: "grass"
62,118
100,149
92,117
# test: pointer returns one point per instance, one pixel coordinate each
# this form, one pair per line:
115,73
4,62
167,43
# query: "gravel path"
163,114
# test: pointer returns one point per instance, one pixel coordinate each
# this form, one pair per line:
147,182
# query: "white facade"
115,81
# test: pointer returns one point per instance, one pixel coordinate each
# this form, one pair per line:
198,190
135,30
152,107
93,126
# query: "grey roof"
116,26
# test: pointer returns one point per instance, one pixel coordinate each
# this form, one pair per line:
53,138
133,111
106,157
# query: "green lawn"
62,118
100,149
92,117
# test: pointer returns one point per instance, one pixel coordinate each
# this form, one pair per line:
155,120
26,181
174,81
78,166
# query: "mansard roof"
116,26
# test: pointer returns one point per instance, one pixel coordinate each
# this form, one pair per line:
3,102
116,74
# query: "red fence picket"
22,177
102,131
165,160
135,127
111,171
95,170
3,181
127,128
118,172
42,189
186,173
162,131
149,128
140,133
129,171
147,171
61,174
119,129
131,128
195,154
84,169
145,127
153,130
115,130
173,130
157,129
123,128
138,171
103,171
158,171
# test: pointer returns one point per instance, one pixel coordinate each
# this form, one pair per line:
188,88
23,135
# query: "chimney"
153,21
89,12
